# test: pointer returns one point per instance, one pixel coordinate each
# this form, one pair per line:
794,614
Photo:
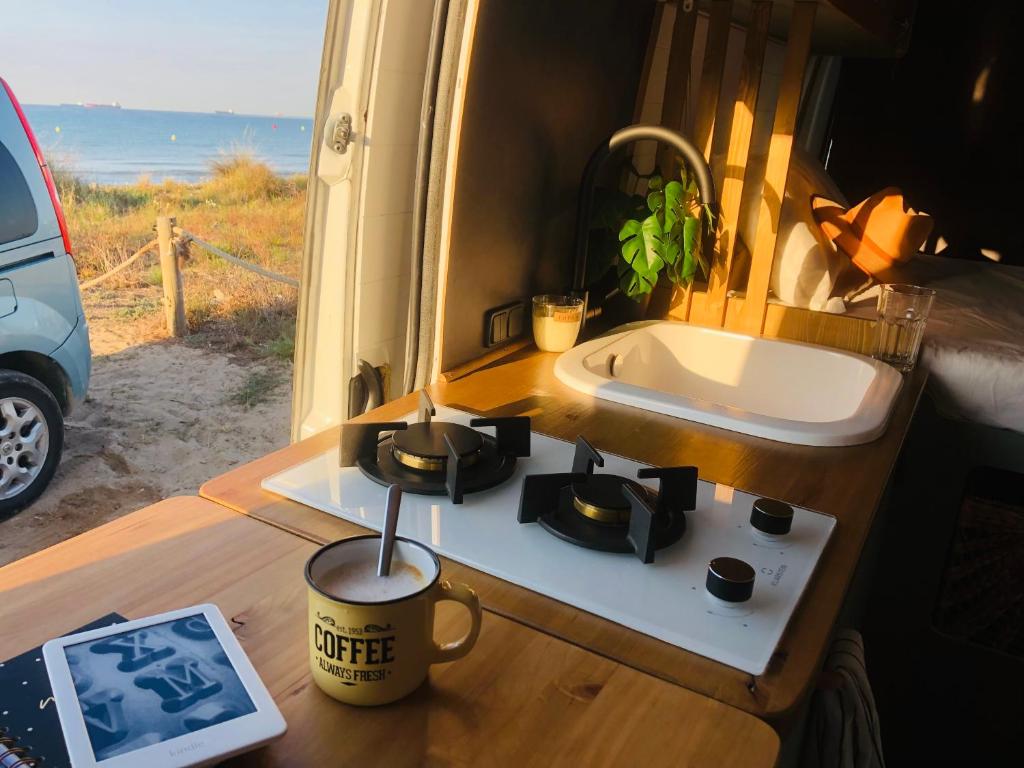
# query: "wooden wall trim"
737,152
712,71
677,79
752,319
715,50
645,73
854,334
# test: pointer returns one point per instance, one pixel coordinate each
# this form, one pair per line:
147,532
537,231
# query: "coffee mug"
371,638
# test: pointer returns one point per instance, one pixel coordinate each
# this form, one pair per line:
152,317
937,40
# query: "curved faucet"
694,160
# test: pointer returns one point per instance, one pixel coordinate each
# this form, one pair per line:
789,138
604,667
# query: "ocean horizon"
109,145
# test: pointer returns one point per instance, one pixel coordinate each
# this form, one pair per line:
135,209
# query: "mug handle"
460,593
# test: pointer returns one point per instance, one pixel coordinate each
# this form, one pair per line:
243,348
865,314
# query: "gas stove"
702,566
436,457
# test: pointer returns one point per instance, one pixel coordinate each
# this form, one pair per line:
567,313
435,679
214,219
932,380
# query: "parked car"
45,358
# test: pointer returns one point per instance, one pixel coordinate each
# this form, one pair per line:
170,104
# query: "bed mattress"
974,340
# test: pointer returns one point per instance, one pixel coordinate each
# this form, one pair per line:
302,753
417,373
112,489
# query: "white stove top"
665,599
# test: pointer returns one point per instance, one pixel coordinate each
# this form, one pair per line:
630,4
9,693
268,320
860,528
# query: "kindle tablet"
165,691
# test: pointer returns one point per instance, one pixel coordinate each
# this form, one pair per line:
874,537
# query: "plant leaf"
635,286
691,237
670,247
641,243
655,201
672,198
641,246
652,235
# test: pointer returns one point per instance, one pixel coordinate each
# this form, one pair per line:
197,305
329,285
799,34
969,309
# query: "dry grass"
256,389
243,208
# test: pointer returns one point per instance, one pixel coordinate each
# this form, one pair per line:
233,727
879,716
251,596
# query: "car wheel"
31,440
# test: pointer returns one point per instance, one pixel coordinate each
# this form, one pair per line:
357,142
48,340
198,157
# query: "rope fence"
234,259
172,243
120,267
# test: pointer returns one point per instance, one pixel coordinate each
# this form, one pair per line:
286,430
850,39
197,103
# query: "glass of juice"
556,321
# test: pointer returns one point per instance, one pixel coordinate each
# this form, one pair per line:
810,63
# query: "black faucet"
695,162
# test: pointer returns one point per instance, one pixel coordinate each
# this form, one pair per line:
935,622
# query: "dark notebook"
28,717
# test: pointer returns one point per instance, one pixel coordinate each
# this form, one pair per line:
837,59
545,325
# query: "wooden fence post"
174,288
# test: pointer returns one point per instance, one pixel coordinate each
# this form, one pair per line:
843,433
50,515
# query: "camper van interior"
710,418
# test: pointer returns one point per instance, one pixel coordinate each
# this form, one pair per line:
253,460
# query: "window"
18,216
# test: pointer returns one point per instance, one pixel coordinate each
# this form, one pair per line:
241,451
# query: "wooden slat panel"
740,132
713,67
676,82
763,252
855,334
645,73
711,75
626,180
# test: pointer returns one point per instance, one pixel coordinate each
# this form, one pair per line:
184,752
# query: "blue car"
45,358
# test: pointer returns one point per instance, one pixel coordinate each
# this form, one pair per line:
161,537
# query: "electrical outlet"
504,323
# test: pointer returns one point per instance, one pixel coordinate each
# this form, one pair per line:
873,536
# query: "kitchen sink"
780,390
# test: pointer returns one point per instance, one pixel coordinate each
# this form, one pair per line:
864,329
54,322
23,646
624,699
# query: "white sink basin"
781,390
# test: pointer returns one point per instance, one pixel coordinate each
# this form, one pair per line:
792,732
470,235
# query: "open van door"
359,245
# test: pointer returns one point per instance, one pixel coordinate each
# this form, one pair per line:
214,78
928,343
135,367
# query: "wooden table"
845,482
521,697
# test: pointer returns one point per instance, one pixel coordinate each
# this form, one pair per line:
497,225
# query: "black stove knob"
772,517
730,579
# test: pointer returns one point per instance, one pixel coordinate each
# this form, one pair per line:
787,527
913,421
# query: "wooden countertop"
520,697
845,482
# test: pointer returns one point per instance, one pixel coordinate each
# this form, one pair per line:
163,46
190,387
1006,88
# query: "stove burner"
608,512
436,457
424,445
600,498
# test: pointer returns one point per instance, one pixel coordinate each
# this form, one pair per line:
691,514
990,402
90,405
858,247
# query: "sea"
108,145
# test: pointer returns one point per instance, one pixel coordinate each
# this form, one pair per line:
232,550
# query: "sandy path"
158,422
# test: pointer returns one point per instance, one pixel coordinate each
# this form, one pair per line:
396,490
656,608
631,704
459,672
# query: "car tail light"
51,187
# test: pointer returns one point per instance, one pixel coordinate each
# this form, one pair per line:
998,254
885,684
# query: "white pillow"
807,264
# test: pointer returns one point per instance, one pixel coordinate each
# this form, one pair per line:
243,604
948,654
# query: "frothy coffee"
359,581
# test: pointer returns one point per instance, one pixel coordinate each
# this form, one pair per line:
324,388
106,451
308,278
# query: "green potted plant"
645,236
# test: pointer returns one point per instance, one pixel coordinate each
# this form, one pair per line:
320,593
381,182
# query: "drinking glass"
556,321
902,314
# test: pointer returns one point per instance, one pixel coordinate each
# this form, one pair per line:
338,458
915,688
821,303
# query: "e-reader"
166,691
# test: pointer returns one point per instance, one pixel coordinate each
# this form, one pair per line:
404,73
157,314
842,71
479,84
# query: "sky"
251,56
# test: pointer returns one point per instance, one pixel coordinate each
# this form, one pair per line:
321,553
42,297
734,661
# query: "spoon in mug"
387,539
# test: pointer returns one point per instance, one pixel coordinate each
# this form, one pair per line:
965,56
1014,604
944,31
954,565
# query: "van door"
357,258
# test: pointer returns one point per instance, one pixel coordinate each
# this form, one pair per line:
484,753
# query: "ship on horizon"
94,105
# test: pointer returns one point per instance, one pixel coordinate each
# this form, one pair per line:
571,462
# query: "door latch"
341,136
365,390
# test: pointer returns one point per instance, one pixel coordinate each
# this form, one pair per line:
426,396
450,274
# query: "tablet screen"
148,685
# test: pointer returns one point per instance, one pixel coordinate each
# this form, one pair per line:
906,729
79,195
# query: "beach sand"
159,421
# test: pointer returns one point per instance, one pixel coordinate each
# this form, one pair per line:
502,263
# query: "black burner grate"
436,457
654,520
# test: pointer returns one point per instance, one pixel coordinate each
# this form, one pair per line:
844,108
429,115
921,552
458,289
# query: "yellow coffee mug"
376,650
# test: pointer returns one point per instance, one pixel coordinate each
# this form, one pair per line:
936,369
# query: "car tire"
31,440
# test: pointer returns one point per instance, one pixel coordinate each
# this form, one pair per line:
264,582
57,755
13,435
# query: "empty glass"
556,321
902,314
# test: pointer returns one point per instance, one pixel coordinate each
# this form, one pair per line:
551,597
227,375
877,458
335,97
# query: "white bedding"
974,341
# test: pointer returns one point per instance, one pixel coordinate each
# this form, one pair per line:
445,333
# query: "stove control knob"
772,517
730,579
